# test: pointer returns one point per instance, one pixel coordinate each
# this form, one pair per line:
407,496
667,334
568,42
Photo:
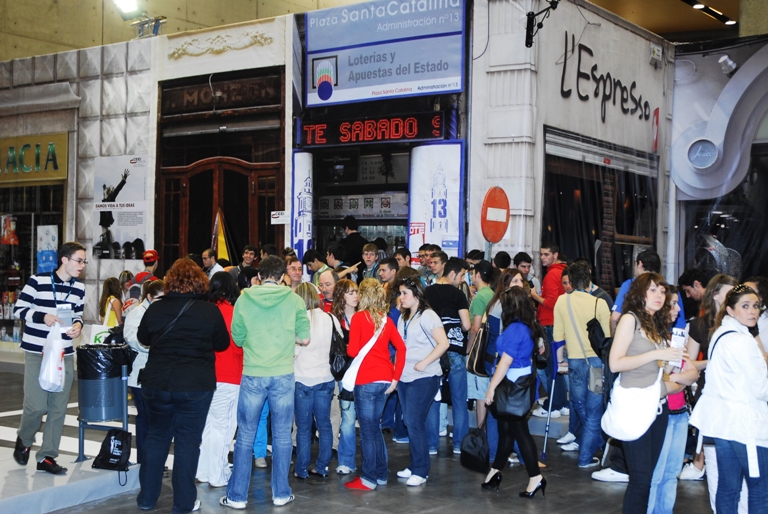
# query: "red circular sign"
494,217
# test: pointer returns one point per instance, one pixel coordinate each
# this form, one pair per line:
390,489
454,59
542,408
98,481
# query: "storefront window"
727,234
29,207
602,214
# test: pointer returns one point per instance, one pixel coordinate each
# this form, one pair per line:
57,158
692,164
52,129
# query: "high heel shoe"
493,483
530,494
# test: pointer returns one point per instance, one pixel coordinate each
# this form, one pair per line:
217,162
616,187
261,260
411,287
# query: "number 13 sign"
435,199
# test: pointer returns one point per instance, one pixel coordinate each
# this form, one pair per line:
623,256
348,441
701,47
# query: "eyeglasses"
79,261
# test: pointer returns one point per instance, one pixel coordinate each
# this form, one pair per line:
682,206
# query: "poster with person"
120,207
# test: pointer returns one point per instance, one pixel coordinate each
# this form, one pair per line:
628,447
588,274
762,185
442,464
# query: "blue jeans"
308,402
254,392
545,375
664,481
260,442
432,424
348,435
369,404
177,416
457,380
732,467
589,408
416,398
141,423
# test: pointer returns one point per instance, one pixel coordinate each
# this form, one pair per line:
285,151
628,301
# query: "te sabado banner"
384,49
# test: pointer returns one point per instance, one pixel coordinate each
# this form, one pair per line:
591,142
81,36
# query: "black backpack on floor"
115,451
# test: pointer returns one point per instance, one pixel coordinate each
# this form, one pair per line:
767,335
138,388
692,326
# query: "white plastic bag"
52,368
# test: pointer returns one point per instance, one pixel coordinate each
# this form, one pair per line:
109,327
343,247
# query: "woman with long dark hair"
515,347
640,349
110,306
425,341
344,306
182,330
376,378
221,422
732,408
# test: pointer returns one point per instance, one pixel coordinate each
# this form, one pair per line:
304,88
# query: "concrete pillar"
753,18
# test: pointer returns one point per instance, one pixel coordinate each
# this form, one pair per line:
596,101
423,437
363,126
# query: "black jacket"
183,359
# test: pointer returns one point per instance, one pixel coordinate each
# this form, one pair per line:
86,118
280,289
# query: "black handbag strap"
712,350
170,325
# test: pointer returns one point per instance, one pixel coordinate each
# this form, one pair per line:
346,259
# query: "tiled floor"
450,489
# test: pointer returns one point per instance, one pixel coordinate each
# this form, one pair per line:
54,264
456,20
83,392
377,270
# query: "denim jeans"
457,380
664,481
347,449
732,467
545,376
308,402
433,425
254,391
369,404
262,436
589,408
642,456
177,416
416,398
140,422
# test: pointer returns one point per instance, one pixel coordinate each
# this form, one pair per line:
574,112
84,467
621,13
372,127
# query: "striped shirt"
36,300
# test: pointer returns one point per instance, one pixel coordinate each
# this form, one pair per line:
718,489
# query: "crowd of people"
224,350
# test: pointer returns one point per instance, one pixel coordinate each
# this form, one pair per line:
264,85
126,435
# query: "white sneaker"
196,506
565,411
343,470
541,412
406,473
690,472
443,432
609,475
232,504
570,447
279,502
513,459
415,480
567,438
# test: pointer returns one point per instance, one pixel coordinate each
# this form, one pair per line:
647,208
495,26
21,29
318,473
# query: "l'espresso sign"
37,158
384,49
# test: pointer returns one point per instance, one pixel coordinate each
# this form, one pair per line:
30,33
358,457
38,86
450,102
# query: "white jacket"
733,404
130,329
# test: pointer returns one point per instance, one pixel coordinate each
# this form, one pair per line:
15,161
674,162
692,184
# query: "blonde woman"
314,387
376,378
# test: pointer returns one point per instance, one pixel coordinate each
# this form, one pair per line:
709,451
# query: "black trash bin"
99,386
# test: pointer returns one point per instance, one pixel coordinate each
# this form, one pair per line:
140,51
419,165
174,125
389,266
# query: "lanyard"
405,327
53,289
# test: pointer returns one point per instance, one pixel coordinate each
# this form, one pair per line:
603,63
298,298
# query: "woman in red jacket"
376,378
221,423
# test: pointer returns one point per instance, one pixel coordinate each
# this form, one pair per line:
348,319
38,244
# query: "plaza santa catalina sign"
610,89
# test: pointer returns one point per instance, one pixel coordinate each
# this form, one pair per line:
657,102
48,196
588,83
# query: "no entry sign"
494,217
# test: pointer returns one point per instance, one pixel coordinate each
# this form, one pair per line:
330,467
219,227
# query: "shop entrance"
190,197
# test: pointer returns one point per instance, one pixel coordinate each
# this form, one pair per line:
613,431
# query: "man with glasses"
210,266
47,299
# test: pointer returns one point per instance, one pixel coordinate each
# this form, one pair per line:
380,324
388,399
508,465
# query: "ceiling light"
126,5
730,22
699,6
727,64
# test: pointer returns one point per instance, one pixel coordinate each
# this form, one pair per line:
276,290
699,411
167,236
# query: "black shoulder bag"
338,358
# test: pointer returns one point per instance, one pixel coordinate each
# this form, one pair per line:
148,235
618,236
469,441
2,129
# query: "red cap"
150,257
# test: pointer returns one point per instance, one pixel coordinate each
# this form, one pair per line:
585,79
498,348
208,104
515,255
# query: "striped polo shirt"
37,299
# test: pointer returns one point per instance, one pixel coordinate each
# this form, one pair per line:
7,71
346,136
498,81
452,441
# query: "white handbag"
632,410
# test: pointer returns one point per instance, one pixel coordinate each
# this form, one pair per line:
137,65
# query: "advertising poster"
120,207
384,49
436,212
301,233
47,248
